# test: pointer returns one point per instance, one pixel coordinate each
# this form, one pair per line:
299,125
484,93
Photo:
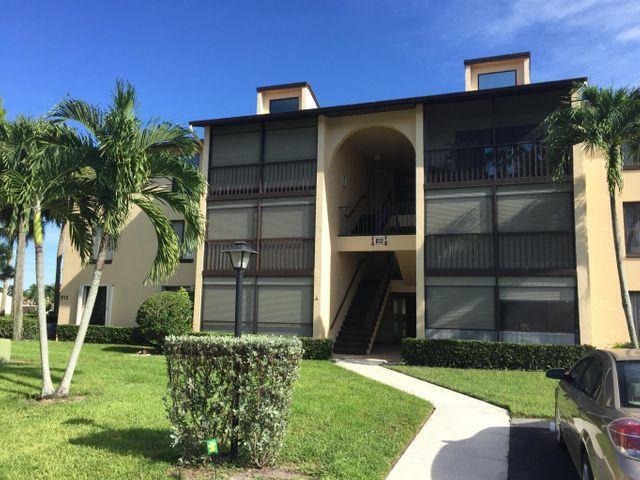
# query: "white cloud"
629,35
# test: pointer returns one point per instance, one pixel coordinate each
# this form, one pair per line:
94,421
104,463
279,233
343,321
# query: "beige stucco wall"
303,94
125,275
520,65
336,259
602,321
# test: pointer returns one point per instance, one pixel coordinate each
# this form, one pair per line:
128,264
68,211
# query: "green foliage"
489,355
102,334
131,163
317,348
29,325
226,387
163,314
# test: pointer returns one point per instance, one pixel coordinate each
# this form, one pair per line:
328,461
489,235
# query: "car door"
568,409
593,417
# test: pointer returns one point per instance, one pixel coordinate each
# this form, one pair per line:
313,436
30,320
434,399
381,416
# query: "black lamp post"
239,253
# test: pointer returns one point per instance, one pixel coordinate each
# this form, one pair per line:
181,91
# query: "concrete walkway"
464,438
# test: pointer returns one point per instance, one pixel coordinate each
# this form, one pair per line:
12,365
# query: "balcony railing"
277,177
488,163
275,255
515,251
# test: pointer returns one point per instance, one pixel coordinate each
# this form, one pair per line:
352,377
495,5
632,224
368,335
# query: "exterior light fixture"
240,254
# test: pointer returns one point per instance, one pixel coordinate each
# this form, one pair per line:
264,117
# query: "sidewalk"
464,438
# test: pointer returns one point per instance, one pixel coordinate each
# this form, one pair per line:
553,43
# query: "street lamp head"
240,253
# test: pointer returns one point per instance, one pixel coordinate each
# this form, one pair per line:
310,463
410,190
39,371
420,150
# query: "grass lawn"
524,394
342,425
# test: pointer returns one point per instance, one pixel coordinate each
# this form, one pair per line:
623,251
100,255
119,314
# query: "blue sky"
191,60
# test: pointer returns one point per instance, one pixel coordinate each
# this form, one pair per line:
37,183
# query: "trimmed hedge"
228,388
316,348
29,327
102,334
164,314
489,355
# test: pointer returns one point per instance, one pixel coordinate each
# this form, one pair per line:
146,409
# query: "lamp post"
239,253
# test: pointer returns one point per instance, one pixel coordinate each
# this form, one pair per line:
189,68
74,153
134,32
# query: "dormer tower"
287,97
499,71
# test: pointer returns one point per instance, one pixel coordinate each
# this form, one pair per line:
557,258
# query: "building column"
198,259
420,218
322,261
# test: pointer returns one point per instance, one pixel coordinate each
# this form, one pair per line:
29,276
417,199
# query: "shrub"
489,355
316,348
216,379
29,327
163,314
102,334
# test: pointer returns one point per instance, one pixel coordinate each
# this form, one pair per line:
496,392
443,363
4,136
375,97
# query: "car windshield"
629,383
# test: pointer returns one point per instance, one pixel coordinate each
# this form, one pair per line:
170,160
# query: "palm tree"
603,119
38,175
133,165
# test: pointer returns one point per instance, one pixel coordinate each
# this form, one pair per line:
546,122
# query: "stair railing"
349,292
379,294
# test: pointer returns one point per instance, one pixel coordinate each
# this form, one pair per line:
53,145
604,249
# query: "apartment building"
428,216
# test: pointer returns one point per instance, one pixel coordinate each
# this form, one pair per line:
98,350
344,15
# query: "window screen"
282,220
293,143
629,157
232,222
235,146
280,105
632,228
531,209
496,79
538,309
464,210
178,228
461,307
278,304
218,307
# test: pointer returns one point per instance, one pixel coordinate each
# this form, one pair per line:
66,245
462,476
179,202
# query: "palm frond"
87,115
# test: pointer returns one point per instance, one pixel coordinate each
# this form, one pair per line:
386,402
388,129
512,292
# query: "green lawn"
342,425
524,394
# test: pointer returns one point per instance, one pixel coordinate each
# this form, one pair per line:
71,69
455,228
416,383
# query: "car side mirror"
557,374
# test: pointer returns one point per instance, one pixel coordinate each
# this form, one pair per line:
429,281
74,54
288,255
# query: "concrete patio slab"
464,438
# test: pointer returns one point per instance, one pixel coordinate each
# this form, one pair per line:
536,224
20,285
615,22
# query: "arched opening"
376,169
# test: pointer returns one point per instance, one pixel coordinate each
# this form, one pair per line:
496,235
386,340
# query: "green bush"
29,327
489,355
102,334
216,379
164,314
316,348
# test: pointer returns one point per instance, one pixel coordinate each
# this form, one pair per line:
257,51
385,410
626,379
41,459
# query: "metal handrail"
346,293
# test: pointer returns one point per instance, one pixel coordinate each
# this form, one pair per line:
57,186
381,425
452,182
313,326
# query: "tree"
31,293
6,271
607,120
38,175
133,165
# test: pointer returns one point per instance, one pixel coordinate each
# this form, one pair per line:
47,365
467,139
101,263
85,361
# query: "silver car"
598,414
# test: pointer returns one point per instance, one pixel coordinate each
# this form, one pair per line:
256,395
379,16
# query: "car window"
592,378
578,369
629,383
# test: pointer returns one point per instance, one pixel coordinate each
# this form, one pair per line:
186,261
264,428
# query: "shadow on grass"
124,348
28,376
150,443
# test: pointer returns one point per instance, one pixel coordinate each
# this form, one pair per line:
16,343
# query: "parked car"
598,414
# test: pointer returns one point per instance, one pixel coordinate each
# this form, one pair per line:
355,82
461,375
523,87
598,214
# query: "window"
288,219
635,307
534,209
236,145
537,305
460,210
232,221
96,245
632,228
578,369
629,159
178,228
592,378
281,105
461,303
496,79
629,383
289,141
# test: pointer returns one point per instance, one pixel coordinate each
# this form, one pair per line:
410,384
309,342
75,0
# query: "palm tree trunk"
624,291
56,295
18,280
47,384
65,384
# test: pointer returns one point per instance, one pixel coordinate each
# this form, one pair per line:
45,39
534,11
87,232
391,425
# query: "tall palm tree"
38,176
606,120
133,165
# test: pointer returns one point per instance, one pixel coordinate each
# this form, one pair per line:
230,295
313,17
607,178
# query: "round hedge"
164,314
